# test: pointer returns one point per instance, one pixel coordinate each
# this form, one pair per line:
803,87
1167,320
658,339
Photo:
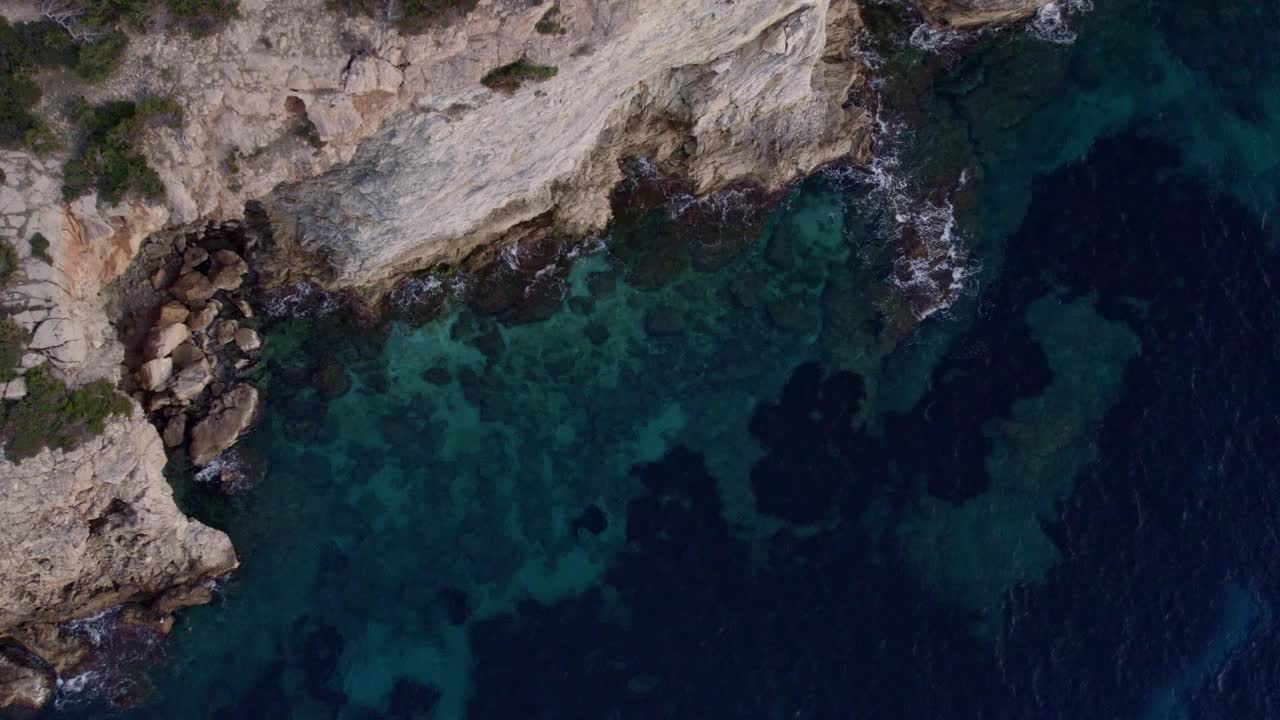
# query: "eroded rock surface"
88,529
971,13
754,90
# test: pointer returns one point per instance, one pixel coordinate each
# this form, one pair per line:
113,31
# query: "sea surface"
991,430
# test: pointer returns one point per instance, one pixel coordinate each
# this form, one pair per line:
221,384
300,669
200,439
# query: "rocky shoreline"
367,202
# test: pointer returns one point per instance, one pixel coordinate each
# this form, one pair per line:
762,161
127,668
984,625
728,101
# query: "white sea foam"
301,299
1052,22
930,38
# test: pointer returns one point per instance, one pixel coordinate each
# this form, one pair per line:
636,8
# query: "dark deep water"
716,482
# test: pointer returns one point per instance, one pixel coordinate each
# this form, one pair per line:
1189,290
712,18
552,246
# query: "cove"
718,484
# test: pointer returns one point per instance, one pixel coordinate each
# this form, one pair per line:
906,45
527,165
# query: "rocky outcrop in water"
83,531
971,13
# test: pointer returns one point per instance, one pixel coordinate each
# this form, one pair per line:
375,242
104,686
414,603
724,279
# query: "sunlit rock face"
755,91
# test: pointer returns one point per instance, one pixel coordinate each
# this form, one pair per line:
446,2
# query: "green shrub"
52,416
8,260
41,139
418,16
509,77
98,61
13,341
204,17
107,159
550,22
40,248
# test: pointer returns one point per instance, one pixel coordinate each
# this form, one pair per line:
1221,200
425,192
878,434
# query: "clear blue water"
720,472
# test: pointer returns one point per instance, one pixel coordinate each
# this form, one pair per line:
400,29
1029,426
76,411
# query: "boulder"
24,685
192,287
247,339
15,389
155,373
230,271
245,308
187,354
191,381
224,331
192,258
219,430
202,318
161,340
172,313
175,431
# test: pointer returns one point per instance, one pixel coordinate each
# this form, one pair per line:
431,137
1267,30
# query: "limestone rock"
717,92
247,339
162,340
15,389
230,271
202,318
155,373
230,416
224,331
172,313
94,527
23,684
192,287
187,354
191,381
971,13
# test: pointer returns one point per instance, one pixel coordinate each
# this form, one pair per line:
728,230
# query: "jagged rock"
192,287
187,354
155,373
94,527
230,272
230,416
161,341
23,684
191,380
175,431
970,13
192,257
172,313
247,339
203,317
224,331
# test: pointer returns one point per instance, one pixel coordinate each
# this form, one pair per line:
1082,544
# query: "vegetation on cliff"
12,342
413,17
51,416
511,76
108,159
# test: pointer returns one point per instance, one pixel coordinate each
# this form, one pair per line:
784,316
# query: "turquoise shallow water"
717,469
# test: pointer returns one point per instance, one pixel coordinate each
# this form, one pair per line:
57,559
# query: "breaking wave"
1052,22
301,299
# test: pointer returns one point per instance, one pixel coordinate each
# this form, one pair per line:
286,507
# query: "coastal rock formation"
88,529
972,13
755,90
